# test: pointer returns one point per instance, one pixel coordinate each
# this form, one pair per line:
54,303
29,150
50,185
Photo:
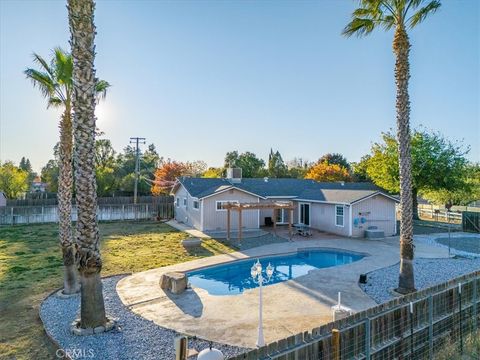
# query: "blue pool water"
234,277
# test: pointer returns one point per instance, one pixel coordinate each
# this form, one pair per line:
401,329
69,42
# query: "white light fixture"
256,273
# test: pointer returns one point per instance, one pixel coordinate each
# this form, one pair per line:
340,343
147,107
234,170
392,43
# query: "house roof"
296,188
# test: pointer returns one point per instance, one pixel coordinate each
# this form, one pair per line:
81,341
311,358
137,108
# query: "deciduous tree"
325,172
13,180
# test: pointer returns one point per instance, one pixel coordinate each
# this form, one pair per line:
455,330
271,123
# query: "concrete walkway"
289,308
189,230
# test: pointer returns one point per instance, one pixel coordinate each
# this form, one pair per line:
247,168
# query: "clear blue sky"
200,78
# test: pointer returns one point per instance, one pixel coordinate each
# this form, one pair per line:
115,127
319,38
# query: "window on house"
220,204
178,202
339,215
196,204
184,201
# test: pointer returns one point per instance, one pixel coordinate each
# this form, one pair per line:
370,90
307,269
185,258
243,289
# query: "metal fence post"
11,214
367,339
460,316
475,305
43,214
430,327
411,330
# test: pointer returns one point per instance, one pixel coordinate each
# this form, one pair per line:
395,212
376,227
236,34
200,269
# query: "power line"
136,141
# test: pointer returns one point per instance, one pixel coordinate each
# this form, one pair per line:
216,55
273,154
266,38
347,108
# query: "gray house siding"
269,212
377,211
322,217
186,213
217,220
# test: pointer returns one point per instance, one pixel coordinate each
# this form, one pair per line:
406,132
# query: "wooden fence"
414,326
100,201
47,214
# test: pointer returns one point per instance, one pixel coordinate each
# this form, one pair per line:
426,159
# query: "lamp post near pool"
256,272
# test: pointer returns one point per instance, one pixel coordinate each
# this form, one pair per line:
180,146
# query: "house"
346,209
3,199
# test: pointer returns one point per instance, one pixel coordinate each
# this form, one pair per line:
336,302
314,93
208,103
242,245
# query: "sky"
200,78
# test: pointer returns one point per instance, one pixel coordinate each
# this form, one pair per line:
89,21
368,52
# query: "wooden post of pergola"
228,223
275,205
239,225
290,219
275,221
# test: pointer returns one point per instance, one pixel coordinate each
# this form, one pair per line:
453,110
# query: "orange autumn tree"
325,172
166,175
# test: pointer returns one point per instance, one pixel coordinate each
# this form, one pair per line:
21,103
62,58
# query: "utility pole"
136,141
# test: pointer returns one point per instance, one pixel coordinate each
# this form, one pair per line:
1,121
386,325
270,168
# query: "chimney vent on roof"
342,183
265,179
234,175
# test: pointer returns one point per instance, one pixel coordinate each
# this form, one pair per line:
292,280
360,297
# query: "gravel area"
133,338
470,244
462,244
428,272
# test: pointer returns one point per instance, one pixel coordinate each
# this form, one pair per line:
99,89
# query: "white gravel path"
134,337
428,272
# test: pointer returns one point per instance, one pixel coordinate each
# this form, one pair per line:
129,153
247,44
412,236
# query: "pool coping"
249,258
300,304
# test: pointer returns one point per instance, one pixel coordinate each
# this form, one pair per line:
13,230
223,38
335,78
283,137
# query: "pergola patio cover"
274,205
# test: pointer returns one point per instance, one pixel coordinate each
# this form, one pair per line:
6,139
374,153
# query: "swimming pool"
234,277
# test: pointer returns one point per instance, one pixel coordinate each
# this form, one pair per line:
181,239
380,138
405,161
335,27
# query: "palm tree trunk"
401,48
415,203
65,181
82,32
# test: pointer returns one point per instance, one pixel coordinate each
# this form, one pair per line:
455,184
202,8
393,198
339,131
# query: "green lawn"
31,267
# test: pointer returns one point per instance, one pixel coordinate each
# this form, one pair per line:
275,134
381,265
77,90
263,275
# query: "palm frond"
359,27
101,88
388,22
41,80
421,14
63,66
54,102
39,60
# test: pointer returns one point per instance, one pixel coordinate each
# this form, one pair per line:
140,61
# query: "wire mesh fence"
423,325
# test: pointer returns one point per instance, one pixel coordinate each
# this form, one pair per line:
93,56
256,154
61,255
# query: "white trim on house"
201,215
232,188
343,215
280,197
306,201
175,189
258,222
224,201
375,194
350,220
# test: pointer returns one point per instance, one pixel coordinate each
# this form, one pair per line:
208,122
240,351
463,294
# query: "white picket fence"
440,215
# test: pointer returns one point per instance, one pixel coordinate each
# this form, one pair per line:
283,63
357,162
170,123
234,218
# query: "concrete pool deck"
290,307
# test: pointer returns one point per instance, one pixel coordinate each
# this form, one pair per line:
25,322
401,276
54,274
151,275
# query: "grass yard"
31,267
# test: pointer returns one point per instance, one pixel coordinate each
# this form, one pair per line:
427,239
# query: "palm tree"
55,83
82,30
400,15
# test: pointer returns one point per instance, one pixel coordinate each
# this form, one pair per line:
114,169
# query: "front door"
305,214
